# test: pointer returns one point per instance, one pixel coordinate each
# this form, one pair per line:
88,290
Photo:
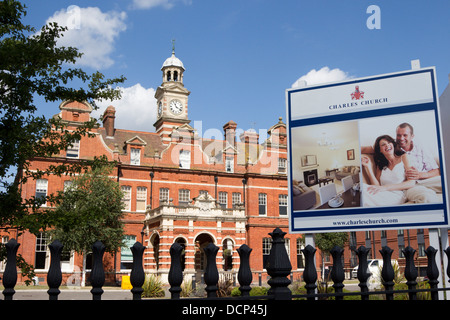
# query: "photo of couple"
401,164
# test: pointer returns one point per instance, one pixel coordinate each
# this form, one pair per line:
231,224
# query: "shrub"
186,289
153,287
224,288
258,291
254,292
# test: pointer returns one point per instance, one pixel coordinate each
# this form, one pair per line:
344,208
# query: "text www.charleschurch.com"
356,222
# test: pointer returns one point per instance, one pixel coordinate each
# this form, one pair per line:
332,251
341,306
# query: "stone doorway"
201,241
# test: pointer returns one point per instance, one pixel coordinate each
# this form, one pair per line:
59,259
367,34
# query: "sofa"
303,197
347,171
426,191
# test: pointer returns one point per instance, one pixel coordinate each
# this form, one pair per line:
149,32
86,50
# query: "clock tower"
171,98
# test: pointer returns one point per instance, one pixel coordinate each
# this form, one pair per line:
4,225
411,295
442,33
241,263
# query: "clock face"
160,109
176,106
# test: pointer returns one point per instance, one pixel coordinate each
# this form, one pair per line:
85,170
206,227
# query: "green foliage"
224,288
34,68
153,287
90,210
254,292
186,289
423,295
326,241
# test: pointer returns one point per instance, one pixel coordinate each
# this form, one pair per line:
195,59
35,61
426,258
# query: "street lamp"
151,189
216,179
244,182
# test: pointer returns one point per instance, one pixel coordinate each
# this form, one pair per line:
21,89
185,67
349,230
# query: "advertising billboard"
366,154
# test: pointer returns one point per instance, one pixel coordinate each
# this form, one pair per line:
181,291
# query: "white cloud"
324,75
92,31
136,110
148,4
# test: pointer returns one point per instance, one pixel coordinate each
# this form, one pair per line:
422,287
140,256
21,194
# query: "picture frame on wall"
351,154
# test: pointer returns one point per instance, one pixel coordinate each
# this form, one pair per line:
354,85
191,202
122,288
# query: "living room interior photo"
324,156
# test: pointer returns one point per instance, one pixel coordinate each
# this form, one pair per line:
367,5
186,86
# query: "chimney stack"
108,120
230,132
250,137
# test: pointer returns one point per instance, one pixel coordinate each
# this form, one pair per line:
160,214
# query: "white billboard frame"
386,97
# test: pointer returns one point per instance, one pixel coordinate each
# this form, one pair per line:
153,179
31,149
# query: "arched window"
227,246
175,76
168,75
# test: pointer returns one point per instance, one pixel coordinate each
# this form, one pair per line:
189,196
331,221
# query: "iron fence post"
310,273
363,274
137,276
10,273
244,273
211,272
387,272
175,272
97,274
410,272
337,273
279,267
432,271
54,275
447,252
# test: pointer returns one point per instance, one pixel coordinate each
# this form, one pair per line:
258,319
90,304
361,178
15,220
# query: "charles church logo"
357,94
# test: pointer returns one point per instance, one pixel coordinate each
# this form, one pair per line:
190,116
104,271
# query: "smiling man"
423,165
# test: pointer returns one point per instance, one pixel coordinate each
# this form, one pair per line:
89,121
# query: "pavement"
115,293
110,293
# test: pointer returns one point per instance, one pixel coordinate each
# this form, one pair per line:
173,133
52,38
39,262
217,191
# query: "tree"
326,241
90,209
32,65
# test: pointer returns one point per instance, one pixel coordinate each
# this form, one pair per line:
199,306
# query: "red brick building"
181,187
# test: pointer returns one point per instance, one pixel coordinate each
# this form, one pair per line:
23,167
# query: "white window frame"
126,197
229,165
135,156
141,197
41,246
282,165
184,197
185,159
262,202
163,196
282,203
223,199
126,256
42,189
73,150
236,199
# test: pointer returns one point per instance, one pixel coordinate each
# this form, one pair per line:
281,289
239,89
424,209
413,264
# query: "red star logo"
357,94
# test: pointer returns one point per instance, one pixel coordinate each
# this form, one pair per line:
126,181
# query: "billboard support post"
435,243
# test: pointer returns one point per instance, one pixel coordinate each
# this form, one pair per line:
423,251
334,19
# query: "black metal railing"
278,267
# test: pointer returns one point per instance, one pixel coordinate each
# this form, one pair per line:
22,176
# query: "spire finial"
173,46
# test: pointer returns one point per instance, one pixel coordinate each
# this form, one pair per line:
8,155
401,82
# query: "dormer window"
73,151
229,164
135,145
185,159
282,165
135,156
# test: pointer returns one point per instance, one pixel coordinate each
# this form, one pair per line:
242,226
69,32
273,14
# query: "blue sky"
241,55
